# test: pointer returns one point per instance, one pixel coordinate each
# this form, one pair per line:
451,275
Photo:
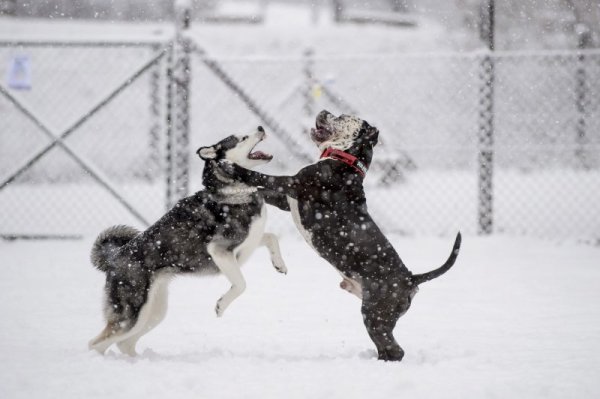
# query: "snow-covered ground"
514,318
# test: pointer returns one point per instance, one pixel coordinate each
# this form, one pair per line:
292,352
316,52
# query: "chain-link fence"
541,111
81,136
110,104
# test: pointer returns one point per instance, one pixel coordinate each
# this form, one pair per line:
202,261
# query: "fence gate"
80,143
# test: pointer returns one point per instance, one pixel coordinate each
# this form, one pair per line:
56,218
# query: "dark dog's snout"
322,130
260,129
323,116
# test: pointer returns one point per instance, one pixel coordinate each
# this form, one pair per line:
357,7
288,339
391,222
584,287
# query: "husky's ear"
207,153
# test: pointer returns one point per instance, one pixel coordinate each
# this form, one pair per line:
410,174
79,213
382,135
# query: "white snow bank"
514,318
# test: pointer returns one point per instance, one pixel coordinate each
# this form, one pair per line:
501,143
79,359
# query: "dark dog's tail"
108,242
421,278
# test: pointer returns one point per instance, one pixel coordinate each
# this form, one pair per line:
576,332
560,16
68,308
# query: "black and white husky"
212,231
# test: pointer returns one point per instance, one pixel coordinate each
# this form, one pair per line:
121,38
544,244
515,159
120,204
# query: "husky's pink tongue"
259,155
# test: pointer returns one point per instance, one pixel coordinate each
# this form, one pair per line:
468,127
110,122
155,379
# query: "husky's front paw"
219,308
280,266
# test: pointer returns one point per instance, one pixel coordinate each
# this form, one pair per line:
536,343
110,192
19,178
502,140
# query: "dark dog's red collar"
346,158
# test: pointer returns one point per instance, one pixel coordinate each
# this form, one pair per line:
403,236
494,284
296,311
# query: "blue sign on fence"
19,73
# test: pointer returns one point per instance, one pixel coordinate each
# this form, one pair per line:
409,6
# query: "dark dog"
328,205
213,231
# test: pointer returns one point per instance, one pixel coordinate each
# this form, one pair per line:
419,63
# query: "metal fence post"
338,9
156,123
584,39
178,120
485,216
309,85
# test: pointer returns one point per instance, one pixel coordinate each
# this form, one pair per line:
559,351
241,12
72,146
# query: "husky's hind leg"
115,333
111,334
153,312
126,296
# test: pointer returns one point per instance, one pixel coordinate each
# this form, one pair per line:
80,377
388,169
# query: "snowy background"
517,316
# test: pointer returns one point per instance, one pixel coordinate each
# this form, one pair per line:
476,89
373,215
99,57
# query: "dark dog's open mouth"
259,155
320,134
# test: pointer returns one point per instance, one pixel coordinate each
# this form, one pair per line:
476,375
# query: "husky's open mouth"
259,155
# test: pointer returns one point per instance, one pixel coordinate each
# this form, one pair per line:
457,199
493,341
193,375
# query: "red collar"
346,158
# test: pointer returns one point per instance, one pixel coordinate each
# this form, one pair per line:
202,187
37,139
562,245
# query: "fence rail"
430,108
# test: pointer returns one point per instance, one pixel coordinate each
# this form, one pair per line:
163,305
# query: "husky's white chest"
296,218
255,233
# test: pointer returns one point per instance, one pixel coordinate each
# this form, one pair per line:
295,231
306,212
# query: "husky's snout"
260,133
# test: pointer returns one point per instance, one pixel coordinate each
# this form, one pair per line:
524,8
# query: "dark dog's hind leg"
380,321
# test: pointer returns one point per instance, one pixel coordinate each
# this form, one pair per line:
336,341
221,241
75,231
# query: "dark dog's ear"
370,134
207,153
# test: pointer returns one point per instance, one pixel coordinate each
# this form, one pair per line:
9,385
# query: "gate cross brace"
58,140
252,105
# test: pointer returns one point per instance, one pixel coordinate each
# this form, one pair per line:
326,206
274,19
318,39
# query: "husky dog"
212,231
328,204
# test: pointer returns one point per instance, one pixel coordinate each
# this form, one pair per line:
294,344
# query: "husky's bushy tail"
108,243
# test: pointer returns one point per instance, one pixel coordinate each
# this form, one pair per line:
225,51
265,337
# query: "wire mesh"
548,170
59,194
428,108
